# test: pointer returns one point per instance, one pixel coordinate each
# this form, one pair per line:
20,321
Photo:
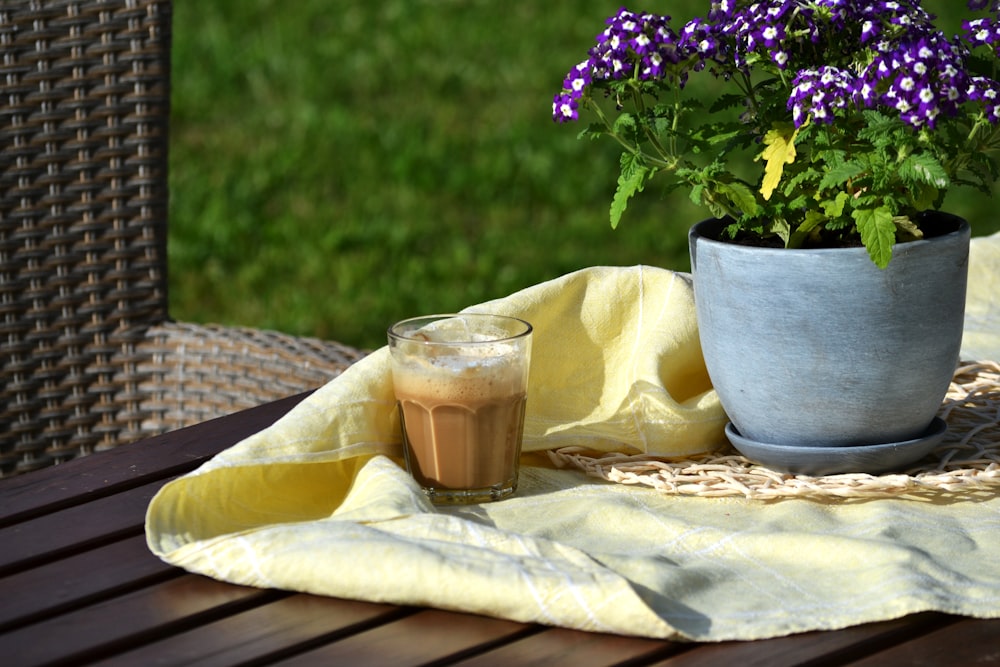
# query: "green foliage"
634,174
878,233
841,174
337,165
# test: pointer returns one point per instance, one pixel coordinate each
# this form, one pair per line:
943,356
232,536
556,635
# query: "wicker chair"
90,356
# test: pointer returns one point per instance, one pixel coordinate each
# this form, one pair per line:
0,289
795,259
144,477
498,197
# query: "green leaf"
799,202
716,209
625,121
724,136
740,195
878,233
631,181
879,128
629,163
781,227
841,174
727,101
834,208
696,192
925,168
801,180
813,219
842,223
926,197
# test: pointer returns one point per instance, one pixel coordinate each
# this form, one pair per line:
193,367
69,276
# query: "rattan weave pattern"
197,372
84,113
967,462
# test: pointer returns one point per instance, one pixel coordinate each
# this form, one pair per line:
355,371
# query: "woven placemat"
966,461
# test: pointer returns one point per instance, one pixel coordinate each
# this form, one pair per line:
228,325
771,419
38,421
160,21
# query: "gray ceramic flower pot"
820,347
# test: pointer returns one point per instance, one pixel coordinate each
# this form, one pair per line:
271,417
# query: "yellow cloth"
982,305
318,502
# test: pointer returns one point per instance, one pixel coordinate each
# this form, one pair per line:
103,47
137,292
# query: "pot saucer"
819,461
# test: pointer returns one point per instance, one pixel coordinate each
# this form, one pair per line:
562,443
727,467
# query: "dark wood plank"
426,637
108,472
79,580
73,530
557,647
263,634
808,647
966,642
110,627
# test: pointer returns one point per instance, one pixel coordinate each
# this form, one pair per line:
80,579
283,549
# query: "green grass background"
336,165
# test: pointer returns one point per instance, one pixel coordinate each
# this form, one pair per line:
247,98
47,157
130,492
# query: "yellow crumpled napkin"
981,338
318,502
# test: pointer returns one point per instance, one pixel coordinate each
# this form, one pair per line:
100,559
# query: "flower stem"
666,162
654,140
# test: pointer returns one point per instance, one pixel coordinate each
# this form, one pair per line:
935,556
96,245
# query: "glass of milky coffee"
460,383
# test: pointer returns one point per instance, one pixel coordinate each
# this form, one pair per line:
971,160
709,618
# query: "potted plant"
829,286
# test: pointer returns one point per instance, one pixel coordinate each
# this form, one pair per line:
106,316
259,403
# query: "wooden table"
78,586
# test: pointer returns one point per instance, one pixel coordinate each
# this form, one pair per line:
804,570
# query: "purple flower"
983,4
566,104
983,32
565,107
633,44
912,68
921,80
578,78
819,93
987,92
698,38
760,27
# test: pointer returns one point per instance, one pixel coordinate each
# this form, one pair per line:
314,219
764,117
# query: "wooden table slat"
74,529
428,637
108,472
559,647
967,641
130,620
809,646
263,634
78,580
